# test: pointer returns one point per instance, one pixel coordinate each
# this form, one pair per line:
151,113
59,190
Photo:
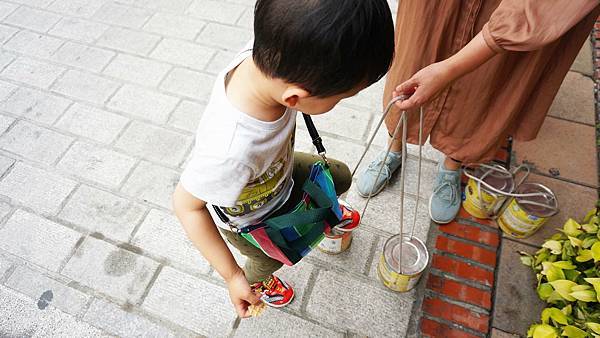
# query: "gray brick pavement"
99,101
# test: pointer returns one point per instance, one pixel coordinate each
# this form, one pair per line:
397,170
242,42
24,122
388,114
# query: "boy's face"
313,105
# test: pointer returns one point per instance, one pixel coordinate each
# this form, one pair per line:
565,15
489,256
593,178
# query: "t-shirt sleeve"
217,181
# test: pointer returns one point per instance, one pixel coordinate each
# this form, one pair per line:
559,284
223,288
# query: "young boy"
307,55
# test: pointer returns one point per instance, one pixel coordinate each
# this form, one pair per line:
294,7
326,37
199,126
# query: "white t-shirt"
239,163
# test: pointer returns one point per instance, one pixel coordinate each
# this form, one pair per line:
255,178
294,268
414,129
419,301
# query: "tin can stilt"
339,238
528,211
401,271
480,201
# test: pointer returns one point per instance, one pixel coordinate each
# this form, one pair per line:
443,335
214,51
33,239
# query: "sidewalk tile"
355,258
183,53
127,40
187,115
32,72
86,86
143,103
152,183
100,211
176,26
284,324
121,15
82,56
113,271
33,19
584,61
177,6
36,188
224,36
30,43
501,334
6,33
78,29
92,122
79,8
218,11
6,9
220,61
37,240
34,142
575,99
574,159
298,277
188,83
342,121
35,105
135,69
175,294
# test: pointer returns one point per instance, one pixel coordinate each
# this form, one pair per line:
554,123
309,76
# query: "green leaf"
552,273
595,283
541,256
573,332
571,228
544,291
584,296
594,326
567,310
557,315
588,242
590,228
596,251
563,287
576,242
572,275
584,256
542,331
554,246
555,297
565,265
581,287
527,260
589,215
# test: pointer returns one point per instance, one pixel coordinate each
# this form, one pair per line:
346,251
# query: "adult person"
483,70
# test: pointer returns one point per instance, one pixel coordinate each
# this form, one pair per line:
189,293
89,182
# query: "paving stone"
35,105
31,43
162,235
575,99
330,302
113,271
85,86
5,265
34,3
517,304
37,239
183,53
177,6
35,143
33,19
501,334
371,98
154,143
78,29
22,317
6,89
80,8
188,83
286,325
216,11
100,211
6,9
176,26
584,61
82,56
227,37
5,122
355,258
247,19
383,212
47,291
344,151
574,201
221,60
143,103
187,115
174,294
342,121
572,159
6,33
121,15
152,183
5,58
128,40
303,143
115,320
96,164
136,69
298,277
92,122
32,72
36,188
5,208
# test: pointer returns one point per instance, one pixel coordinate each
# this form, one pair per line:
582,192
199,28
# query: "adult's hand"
427,83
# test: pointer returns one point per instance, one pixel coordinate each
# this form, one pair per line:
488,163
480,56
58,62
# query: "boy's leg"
259,266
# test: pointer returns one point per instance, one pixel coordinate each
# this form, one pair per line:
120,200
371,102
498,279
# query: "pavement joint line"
5,219
473,308
449,276
187,153
150,284
310,285
480,226
469,242
454,325
59,116
534,170
67,199
521,241
8,273
136,228
61,155
76,247
373,254
171,113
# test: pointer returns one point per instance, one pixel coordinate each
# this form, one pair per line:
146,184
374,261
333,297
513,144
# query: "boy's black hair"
327,47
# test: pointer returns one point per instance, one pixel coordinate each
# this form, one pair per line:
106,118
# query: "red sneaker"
274,292
350,218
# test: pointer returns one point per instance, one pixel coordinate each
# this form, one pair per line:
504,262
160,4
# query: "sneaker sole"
431,216
373,194
282,305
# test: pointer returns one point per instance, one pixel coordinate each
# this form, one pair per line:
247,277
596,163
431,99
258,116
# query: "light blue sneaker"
444,202
366,181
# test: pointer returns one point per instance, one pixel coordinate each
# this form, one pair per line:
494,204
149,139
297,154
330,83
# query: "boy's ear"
292,94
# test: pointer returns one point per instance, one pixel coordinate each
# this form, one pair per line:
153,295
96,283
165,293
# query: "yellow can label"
517,222
476,206
394,280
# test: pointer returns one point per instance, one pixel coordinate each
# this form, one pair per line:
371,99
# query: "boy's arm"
202,231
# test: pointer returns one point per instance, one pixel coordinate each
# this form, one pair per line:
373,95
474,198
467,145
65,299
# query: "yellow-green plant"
567,269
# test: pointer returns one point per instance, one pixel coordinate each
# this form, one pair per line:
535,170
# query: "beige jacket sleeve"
525,25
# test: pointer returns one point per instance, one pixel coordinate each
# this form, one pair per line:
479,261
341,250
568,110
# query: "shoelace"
453,193
374,166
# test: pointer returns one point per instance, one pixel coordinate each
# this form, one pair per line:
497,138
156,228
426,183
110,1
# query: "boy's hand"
241,294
